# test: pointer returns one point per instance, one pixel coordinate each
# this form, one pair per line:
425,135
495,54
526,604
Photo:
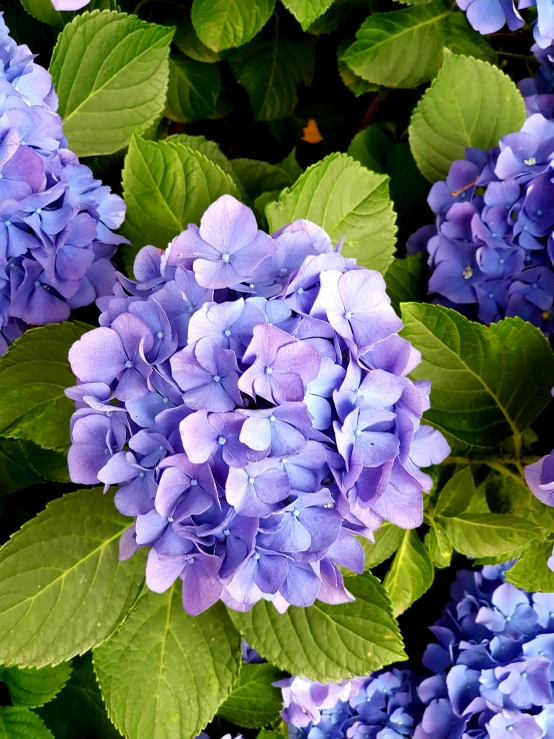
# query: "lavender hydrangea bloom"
252,437
491,253
56,220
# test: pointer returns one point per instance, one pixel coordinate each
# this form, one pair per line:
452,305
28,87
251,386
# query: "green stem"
500,462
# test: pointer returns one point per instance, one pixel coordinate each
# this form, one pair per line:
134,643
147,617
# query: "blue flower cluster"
249,396
491,252
493,676
384,705
55,218
488,16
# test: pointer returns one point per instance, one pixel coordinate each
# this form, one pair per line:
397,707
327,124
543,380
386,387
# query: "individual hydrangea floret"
491,251
255,427
56,220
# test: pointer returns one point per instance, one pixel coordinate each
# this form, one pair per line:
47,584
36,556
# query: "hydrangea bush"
257,410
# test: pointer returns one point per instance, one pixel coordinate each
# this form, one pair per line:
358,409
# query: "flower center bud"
160,334
37,283
216,378
193,483
467,272
530,162
251,480
170,519
268,371
128,364
300,291
256,556
295,512
226,532
348,315
224,257
221,440
227,332
272,419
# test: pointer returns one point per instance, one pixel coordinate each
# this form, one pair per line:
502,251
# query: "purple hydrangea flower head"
249,396
491,251
56,220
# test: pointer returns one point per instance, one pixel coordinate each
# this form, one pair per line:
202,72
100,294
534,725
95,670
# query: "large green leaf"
79,711
34,687
15,471
270,72
254,701
167,186
488,383
531,572
21,723
346,200
462,39
400,49
438,544
187,41
387,540
193,89
164,674
224,24
411,573
406,280
111,72
470,103
456,495
489,534
325,642
306,11
33,376
62,586
44,11
259,177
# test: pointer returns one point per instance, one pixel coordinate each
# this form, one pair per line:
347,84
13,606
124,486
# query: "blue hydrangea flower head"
56,220
249,396
491,250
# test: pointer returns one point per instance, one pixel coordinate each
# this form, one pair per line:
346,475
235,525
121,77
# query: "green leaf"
21,723
400,49
31,687
224,24
508,493
307,11
187,41
33,376
44,11
462,39
79,711
167,186
193,89
456,495
15,471
291,166
270,72
488,382
354,82
489,534
438,544
259,177
110,71
210,150
388,538
531,571
62,586
325,642
46,463
267,734
470,103
254,702
411,573
363,213
406,280
164,674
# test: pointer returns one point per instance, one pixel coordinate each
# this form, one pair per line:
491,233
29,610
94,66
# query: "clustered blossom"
493,674
55,218
249,396
493,664
384,705
491,252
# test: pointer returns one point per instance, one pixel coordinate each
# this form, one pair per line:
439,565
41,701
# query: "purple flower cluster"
55,218
538,91
491,252
493,674
384,705
249,395
493,663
